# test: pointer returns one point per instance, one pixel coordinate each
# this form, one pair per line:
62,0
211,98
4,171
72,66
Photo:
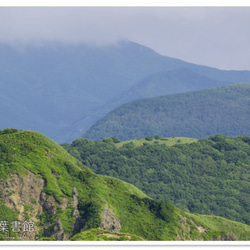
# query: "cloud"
205,35
73,24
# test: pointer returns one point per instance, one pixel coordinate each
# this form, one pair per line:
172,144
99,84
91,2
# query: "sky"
213,36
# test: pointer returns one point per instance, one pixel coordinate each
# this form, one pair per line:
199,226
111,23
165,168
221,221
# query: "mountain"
46,194
168,82
61,89
208,176
222,110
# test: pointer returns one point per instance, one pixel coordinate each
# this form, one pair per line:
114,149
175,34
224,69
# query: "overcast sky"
213,36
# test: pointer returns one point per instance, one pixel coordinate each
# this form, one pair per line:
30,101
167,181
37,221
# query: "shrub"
115,139
8,131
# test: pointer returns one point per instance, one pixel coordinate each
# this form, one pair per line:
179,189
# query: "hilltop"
156,140
42,184
199,114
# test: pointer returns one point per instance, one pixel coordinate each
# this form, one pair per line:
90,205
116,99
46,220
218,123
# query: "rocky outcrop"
185,229
58,232
24,194
109,220
76,212
227,237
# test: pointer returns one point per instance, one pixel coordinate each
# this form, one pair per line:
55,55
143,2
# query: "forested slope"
199,114
209,176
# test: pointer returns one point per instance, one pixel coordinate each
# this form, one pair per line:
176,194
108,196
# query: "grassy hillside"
208,176
199,114
42,183
156,140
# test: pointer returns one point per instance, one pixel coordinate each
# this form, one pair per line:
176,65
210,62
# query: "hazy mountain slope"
209,176
199,114
42,183
66,88
169,82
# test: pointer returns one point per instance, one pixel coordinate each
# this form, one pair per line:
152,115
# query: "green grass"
167,141
221,226
34,152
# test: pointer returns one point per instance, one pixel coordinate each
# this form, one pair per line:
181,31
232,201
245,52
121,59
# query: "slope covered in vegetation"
223,110
208,176
42,183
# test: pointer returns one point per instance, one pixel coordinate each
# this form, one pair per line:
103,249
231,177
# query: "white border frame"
124,3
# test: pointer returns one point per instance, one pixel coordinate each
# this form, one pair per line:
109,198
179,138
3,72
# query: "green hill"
208,176
223,110
58,198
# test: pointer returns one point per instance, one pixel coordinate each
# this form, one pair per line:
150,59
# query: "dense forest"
208,176
222,110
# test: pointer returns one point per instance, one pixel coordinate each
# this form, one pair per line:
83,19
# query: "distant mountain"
222,110
46,194
61,90
169,82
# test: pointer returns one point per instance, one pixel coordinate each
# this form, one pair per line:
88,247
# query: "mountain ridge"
198,114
